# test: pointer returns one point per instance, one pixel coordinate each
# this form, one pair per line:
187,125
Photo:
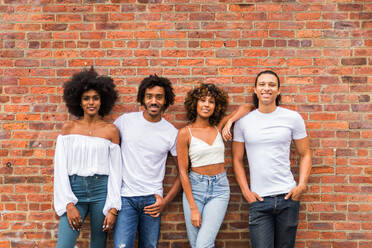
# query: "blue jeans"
211,195
273,222
132,217
91,193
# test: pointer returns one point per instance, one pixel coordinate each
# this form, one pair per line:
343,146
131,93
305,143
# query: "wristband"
113,212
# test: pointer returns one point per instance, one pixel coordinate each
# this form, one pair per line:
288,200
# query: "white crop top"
201,153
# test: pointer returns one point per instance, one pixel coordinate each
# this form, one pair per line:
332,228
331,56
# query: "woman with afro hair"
199,144
87,161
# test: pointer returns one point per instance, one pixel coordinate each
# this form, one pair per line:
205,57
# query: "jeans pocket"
297,201
194,178
222,182
149,200
253,214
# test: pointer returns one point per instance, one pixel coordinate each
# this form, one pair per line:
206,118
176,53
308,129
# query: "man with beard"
146,140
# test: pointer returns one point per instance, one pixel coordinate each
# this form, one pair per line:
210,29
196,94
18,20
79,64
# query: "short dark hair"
255,98
152,81
221,100
89,80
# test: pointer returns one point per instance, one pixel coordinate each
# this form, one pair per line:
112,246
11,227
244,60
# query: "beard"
158,112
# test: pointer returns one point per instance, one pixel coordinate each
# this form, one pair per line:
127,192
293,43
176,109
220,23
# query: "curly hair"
255,98
152,81
89,80
221,101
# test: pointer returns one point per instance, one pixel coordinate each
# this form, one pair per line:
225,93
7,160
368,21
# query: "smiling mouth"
154,108
266,94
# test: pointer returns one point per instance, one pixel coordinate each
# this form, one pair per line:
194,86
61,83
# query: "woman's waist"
209,170
85,171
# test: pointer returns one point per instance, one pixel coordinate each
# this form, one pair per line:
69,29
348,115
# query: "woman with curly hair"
87,161
206,187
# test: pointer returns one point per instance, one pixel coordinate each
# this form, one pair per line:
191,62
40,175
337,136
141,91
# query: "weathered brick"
321,51
354,61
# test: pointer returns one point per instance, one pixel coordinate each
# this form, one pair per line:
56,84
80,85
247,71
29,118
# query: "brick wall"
321,49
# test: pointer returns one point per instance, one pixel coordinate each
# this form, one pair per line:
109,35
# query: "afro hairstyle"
89,80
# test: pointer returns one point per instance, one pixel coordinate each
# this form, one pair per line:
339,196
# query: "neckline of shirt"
87,136
150,122
269,114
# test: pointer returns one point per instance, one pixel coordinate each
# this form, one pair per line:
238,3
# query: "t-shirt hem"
141,194
300,137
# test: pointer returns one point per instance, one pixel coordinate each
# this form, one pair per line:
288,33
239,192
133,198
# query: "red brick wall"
321,49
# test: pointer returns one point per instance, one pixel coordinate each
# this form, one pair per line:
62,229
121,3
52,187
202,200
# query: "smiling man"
146,140
273,195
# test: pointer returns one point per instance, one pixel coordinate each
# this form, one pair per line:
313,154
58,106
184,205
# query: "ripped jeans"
132,218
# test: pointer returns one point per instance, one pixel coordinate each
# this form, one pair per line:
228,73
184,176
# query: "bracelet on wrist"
113,212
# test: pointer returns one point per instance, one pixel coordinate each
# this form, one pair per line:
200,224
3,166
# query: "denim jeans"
273,222
132,218
211,195
91,193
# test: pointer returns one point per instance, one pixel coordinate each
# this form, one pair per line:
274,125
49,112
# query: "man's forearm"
305,169
240,176
173,191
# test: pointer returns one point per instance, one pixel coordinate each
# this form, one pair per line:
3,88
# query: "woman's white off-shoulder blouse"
85,156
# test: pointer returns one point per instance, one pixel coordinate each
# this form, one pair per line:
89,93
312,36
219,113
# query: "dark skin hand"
155,209
73,217
109,222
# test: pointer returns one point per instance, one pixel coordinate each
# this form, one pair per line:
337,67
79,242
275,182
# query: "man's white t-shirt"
144,147
267,138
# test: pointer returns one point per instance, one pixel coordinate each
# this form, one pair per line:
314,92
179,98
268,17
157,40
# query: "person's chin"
205,115
91,113
154,113
267,102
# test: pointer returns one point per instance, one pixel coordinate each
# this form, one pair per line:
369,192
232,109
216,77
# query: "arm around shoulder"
228,121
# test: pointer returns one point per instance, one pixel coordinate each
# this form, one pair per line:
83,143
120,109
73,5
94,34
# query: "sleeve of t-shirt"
299,129
173,149
119,123
238,132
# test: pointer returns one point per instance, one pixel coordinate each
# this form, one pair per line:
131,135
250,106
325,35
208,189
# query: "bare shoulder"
67,127
183,132
183,135
112,129
113,132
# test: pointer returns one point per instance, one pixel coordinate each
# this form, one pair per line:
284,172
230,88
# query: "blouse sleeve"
62,189
113,199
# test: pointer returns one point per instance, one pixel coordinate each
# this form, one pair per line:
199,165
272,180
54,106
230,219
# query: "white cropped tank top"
201,153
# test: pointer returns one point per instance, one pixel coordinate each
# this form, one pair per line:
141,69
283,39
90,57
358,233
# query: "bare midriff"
209,170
